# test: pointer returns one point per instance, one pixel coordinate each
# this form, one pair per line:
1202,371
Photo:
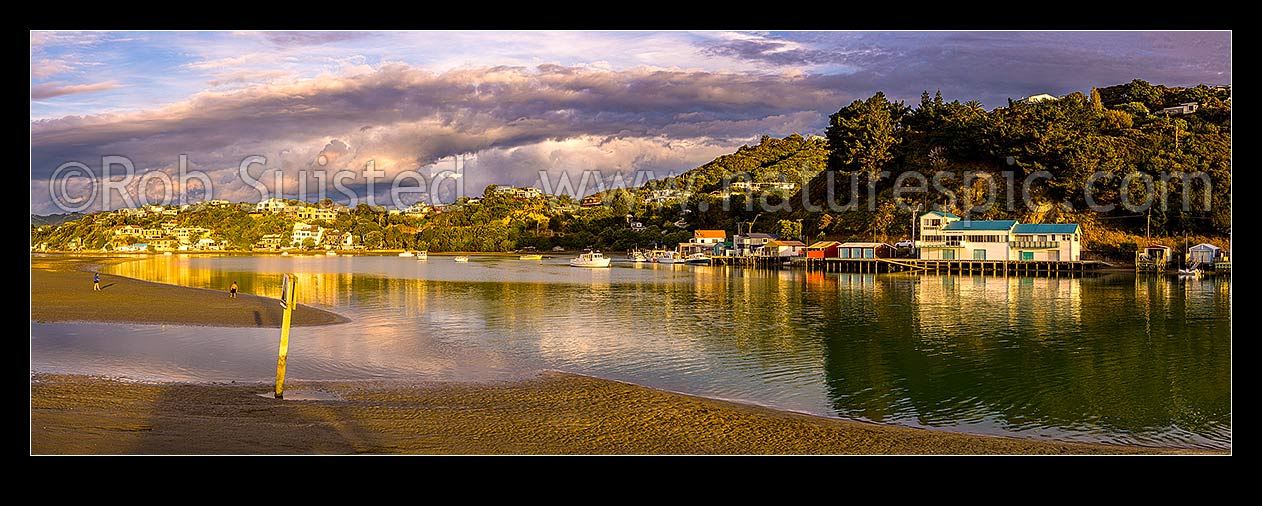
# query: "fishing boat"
407,254
462,258
637,256
422,255
530,256
697,259
593,259
668,257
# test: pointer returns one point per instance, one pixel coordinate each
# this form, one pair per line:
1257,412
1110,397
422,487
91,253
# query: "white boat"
1190,272
593,259
330,253
637,256
462,258
422,255
407,254
697,259
166,253
284,253
669,257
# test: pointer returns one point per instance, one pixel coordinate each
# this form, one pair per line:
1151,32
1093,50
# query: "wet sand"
554,413
61,290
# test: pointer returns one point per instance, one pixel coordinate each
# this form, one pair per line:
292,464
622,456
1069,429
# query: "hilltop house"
666,195
128,230
272,205
316,214
591,201
1034,99
1181,109
944,236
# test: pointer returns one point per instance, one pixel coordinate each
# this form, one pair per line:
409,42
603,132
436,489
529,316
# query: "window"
948,254
979,254
867,252
933,223
1027,255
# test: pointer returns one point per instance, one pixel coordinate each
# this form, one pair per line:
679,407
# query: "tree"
863,135
308,243
374,239
790,229
1097,104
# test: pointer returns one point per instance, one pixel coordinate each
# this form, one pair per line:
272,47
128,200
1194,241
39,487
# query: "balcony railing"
938,244
1034,244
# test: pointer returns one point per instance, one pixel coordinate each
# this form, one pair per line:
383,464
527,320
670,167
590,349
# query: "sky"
624,104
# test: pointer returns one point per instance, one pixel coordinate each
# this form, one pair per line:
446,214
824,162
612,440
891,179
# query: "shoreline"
551,413
61,291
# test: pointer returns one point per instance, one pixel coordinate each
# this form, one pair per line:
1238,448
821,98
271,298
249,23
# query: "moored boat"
462,258
668,257
530,257
330,253
697,259
593,259
422,255
637,256
407,254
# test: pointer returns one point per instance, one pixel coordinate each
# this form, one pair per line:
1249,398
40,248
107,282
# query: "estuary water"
1114,358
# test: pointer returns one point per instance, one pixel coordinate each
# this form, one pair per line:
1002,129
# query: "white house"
929,228
303,231
128,230
1034,99
1046,241
272,205
943,236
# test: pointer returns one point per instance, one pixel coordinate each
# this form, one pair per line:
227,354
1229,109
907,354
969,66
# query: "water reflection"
1116,358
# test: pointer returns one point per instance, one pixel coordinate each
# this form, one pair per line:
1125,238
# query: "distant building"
269,241
745,244
1204,254
303,231
864,250
823,249
316,214
1181,109
128,230
666,195
1034,99
591,201
272,205
186,235
779,248
770,186
943,236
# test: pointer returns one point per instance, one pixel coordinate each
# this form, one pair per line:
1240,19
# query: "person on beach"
96,281
232,290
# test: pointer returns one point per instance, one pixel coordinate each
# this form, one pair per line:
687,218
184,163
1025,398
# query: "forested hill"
1071,138
794,159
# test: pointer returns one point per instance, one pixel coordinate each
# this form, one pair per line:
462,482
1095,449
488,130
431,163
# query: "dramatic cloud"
618,103
50,90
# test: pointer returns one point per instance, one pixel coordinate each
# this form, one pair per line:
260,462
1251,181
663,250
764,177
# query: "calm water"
1117,358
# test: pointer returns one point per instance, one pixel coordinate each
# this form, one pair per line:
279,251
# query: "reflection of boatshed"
1152,258
1204,253
865,250
822,249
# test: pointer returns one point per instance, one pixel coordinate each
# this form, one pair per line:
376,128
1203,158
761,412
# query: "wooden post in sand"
287,301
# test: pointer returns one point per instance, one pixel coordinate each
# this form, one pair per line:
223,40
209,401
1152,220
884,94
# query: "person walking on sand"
96,281
232,290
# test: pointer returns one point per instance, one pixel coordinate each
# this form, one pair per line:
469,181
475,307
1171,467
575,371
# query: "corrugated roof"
864,245
710,234
774,244
940,213
965,225
1204,245
824,245
758,235
1046,228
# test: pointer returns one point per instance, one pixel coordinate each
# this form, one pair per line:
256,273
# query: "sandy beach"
552,413
61,290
